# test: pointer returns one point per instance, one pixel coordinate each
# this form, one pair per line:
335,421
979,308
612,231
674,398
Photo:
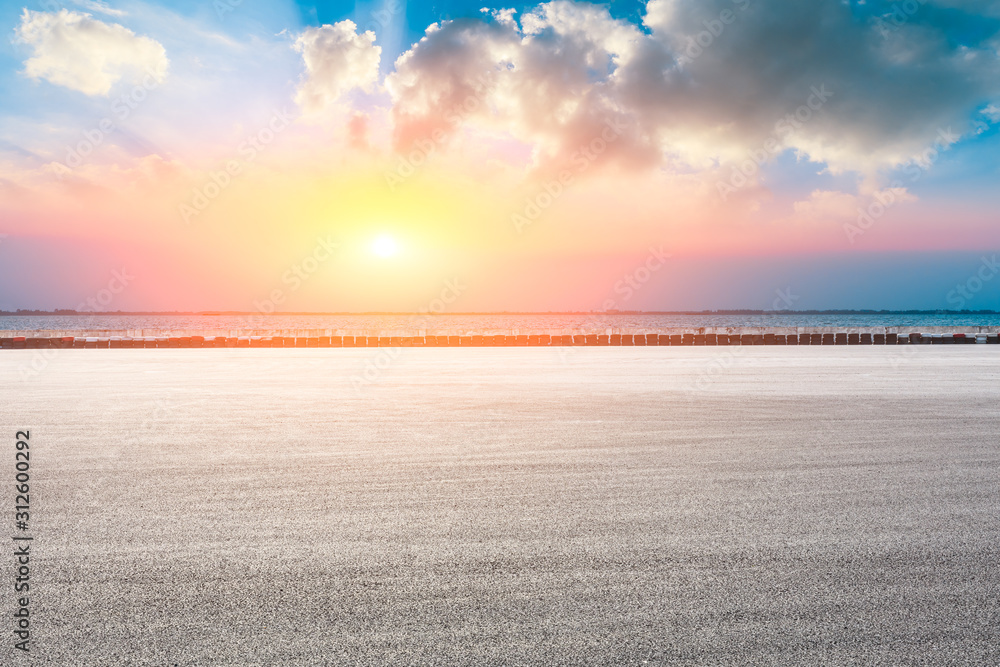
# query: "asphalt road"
505,506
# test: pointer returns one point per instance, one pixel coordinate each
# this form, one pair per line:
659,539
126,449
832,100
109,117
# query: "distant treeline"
23,312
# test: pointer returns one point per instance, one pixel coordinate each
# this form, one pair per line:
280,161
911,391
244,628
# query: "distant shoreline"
231,313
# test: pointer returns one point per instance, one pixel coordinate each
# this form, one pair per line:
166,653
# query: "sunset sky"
675,154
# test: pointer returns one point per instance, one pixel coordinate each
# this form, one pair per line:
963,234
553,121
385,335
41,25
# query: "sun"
385,246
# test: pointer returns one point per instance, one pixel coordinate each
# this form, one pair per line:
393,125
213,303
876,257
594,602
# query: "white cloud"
746,64
832,204
569,68
337,60
549,85
828,204
99,7
74,50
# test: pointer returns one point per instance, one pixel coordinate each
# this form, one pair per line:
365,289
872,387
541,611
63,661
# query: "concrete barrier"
709,336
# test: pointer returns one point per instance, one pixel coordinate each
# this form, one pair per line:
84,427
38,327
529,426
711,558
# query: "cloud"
357,132
547,83
828,204
743,69
74,50
337,60
705,83
99,7
832,204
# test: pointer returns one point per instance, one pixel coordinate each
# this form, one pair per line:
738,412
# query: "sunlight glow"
385,246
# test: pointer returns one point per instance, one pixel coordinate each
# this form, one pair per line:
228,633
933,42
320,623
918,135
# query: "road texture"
506,506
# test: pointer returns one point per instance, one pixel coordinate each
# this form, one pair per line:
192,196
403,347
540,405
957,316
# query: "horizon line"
728,311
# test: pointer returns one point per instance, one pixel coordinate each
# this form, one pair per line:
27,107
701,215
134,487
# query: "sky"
377,156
